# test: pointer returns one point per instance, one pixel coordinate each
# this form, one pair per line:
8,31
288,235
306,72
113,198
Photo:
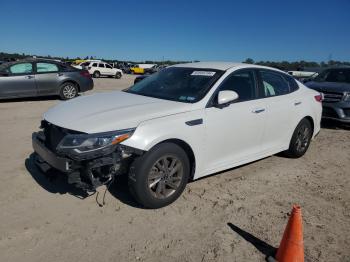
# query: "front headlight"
347,97
84,143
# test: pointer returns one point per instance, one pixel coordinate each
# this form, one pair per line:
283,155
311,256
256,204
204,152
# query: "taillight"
319,98
85,74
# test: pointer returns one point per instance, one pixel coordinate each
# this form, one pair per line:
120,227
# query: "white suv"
185,122
97,69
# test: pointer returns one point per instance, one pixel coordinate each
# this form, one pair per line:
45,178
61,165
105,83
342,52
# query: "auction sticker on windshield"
202,73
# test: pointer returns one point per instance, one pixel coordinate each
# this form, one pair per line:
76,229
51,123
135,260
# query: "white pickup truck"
184,122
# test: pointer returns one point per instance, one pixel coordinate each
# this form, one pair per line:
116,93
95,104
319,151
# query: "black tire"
96,74
68,90
118,75
300,140
145,171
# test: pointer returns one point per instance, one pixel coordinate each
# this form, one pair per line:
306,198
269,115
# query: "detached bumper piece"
86,173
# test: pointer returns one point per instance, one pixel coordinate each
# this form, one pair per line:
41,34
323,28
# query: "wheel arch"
70,81
188,150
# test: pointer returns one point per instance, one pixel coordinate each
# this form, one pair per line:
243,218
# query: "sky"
273,30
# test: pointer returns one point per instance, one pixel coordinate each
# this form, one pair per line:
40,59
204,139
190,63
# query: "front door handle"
257,111
29,77
297,103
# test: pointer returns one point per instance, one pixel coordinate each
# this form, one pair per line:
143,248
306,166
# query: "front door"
234,132
18,80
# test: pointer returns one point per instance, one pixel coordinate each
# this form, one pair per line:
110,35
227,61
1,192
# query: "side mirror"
226,98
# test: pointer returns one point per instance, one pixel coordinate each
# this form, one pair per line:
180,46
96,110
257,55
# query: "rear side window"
108,66
46,68
293,86
274,84
101,65
242,82
23,68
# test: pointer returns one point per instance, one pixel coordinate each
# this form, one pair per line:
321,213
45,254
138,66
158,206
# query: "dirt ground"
237,215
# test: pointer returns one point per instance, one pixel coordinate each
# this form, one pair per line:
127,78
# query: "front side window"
182,84
101,65
94,65
274,84
242,82
23,68
46,68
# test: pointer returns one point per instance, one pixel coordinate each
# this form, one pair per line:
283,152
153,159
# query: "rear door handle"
297,103
29,77
259,110
59,74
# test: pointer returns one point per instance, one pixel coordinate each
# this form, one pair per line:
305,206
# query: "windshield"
334,75
180,84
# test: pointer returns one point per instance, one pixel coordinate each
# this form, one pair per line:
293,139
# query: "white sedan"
184,122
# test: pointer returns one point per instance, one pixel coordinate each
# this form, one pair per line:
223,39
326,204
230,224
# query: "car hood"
111,111
328,86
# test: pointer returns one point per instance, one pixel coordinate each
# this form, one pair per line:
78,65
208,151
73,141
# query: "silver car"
41,77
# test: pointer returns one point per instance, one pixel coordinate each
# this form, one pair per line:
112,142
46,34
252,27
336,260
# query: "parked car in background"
184,122
143,68
98,69
84,64
40,77
139,78
334,83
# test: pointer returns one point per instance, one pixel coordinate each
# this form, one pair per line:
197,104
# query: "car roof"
224,66
212,65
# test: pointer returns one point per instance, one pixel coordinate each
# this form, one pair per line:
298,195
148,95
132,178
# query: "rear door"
102,69
281,108
109,70
47,78
18,81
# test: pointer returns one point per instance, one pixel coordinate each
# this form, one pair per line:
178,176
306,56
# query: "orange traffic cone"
291,248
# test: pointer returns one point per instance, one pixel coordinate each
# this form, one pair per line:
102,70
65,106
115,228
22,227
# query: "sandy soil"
238,215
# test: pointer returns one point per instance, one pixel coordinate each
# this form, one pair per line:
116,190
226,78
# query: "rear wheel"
118,75
300,140
68,91
158,178
96,74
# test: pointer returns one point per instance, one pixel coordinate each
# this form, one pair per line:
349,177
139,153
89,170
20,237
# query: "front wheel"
68,91
300,140
158,178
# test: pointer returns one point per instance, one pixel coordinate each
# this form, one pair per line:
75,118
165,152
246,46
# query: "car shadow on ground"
29,99
56,182
266,249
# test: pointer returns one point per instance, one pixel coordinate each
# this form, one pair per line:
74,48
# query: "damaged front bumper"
89,171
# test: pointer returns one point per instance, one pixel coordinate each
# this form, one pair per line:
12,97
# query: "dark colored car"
40,77
334,83
139,78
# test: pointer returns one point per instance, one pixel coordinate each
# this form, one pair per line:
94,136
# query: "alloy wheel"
303,138
165,176
69,91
